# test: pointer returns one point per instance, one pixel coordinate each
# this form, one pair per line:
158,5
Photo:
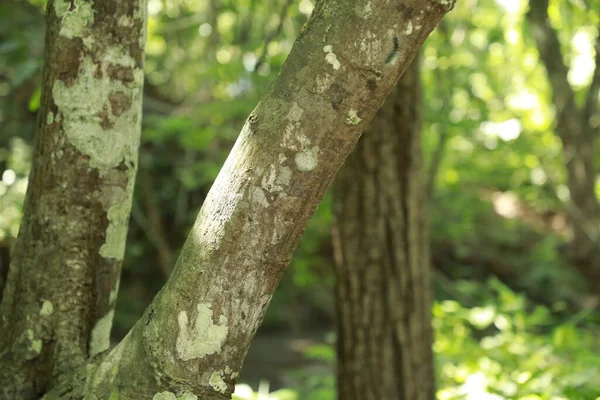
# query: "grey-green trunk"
63,280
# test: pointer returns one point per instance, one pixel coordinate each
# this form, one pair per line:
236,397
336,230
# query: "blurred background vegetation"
513,319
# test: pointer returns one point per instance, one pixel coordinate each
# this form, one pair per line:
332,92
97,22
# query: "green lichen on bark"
102,120
217,383
90,120
204,337
35,344
47,309
100,337
76,15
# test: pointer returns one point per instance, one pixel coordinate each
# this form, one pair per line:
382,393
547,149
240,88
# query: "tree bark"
382,257
192,339
578,132
59,300
195,334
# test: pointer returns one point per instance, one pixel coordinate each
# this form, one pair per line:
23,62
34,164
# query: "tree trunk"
382,258
59,300
578,132
192,339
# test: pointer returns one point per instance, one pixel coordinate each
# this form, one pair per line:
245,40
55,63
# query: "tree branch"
549,49
446,95
155,231
591,101
195,334
272,35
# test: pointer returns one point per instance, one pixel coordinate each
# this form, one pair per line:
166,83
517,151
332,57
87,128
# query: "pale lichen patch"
370,46
276,178
35,345
295,113
280,225
353,118
164,396
187,395
75,17
331,58
217,383
116,233
290,136
409,28
125,21
284,177
230,372
84,101
307,160
259,197
204,337
49,118
110,139
368,10
323,83
47,309
112,297
100,337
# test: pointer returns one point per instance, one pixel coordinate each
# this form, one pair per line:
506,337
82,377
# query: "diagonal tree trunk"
577,128
382,257
59,300
192,339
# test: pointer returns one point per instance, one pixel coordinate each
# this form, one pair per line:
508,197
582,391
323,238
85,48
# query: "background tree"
383,297
577,127
194,336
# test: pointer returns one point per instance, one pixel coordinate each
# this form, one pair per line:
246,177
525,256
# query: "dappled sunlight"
506,130
506,204
582,64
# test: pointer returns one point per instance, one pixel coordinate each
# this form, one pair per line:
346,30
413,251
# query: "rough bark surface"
382,258
577,128
58,304
195,334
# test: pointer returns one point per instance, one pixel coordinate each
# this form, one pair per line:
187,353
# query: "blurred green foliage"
505,348
497,204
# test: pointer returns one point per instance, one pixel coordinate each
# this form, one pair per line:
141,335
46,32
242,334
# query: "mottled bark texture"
58,304
382,289
195,334
577,127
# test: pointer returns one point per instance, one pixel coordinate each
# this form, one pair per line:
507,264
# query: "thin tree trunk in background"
154,227
444,90
578,132
194,336
382,258
60,295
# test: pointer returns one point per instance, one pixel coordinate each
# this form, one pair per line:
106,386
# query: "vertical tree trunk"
59,300
382,258
578,134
